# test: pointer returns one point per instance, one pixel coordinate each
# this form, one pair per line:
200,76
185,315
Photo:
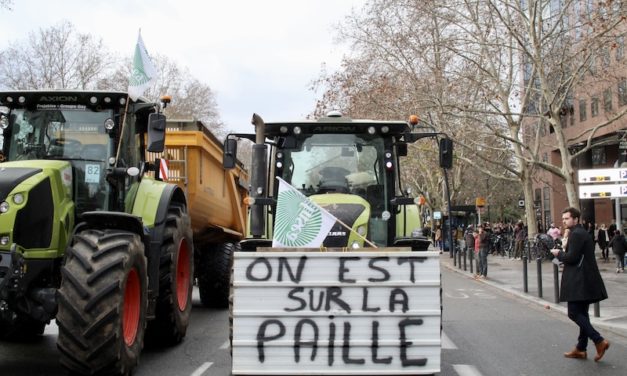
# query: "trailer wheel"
102,303
174,303
214,275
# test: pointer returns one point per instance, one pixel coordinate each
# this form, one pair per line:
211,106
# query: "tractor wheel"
22,329
214,275
102,303
174,303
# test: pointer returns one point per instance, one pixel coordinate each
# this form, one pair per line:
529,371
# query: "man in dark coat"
581,284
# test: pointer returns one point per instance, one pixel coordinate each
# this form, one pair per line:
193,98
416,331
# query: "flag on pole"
164,171
143,72
299,222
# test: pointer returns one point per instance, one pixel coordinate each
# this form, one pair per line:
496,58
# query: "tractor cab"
83,129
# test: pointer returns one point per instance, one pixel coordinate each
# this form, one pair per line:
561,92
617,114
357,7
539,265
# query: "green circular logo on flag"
299,221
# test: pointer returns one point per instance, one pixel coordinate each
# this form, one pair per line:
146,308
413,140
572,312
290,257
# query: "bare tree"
58,57
6,4
461,62
191,98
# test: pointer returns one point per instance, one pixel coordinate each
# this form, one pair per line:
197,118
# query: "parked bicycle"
539,247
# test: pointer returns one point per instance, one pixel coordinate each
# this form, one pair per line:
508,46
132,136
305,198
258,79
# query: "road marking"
447,343
225,345
200,370
466,370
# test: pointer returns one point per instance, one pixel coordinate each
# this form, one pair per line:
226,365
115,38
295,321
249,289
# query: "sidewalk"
507,274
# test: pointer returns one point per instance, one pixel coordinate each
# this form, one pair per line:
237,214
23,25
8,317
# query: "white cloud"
258,56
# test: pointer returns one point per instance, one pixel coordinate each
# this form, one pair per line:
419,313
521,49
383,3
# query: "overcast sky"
257,55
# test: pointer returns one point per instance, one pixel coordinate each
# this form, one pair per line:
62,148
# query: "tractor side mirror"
446,153
156,133
229,157
401,149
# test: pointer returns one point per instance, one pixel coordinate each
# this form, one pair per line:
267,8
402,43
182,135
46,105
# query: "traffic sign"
602,191
437,215
480,202
602,175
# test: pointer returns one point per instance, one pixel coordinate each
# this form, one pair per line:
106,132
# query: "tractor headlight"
4,240
361,230
109,124
355,245
18,198
4,207
4,121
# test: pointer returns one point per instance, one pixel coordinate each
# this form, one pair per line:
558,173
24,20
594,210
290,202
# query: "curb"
615,329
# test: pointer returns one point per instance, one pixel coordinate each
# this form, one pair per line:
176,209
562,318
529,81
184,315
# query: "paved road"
491,332
486,331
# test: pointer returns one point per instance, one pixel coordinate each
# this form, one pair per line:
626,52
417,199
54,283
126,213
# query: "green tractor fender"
152,201
149,202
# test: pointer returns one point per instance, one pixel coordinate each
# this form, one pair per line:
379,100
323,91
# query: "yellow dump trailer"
215,199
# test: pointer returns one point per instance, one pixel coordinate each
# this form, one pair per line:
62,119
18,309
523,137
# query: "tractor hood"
352,210
11,177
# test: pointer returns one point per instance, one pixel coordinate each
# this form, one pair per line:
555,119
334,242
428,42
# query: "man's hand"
555,251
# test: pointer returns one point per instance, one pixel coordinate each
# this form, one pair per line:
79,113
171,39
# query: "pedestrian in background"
602,240
582,285
477,242
519,238
554,232
438,238
469,239
484,241
619,244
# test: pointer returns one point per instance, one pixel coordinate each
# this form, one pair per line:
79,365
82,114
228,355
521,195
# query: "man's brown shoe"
576,354
601,348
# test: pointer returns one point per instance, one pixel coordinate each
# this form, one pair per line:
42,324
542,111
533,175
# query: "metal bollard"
539,263
556,283
472,256
465,256
597,310
525,275
459,255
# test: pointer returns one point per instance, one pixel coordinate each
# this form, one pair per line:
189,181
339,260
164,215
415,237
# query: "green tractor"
85,237
349,167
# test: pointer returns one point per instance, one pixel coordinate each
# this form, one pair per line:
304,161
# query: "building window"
607,100
592,68
545,157
582,110
622,93
547,206
620,48
598,156
594,106
606,56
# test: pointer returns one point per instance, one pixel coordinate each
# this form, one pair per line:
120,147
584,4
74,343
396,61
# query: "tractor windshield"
341,163
77,135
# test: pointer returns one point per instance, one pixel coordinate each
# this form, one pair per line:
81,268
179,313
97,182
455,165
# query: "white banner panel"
603,191
602,175
336,313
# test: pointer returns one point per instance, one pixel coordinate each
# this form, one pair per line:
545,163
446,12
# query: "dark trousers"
578,312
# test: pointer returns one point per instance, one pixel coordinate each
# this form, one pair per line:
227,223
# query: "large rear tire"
214,275
174,304
102,303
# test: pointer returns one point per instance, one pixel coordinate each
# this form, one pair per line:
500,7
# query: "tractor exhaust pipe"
258,178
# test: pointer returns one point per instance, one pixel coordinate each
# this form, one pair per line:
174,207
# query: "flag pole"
117,153
355,232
